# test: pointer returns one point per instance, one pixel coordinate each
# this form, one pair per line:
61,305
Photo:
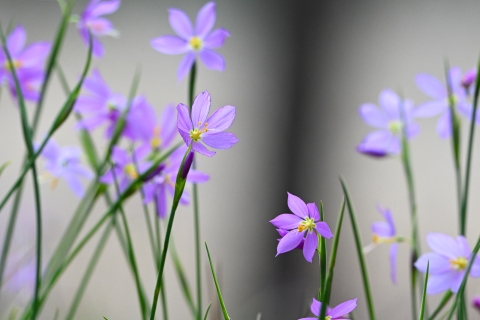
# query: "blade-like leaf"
217,286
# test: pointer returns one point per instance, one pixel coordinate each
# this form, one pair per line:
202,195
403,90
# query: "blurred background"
297,72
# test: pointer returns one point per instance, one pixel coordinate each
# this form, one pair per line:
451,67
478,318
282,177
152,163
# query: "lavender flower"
390,120
448,262
160,135
92,21
304,222
163,183
432,87
193,42
210,131
65,163
384,232
337,313
28,64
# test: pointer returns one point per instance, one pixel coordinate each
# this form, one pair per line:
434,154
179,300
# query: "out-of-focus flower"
433,88
160,135
91,20
448,262
469,78
303,223
126,168
337,313
158,187
198,128
199,41
28,64
393,116
384,232
64,163
476,303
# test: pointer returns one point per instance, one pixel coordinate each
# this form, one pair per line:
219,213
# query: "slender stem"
322,257
196,215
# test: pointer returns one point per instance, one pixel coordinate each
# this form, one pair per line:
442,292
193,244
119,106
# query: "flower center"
453,99
15,64
131,171
328,317
307,224
196,134
196,43
156,141
458,264
378,239
395,126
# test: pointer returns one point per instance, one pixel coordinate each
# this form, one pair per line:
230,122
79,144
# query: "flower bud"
476,303
469,77
154,173
187,164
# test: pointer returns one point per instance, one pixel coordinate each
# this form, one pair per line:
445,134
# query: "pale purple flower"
435,89
384,232
197,128
283,233
159,135
126,168
303,223
28,64
64,163
92,20
337,313
193,41
448,262
158,187
390,120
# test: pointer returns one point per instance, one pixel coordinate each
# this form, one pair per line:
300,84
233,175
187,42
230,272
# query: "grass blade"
220,298
424,296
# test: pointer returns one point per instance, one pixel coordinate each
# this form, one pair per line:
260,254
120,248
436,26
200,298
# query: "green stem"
322,257
361,257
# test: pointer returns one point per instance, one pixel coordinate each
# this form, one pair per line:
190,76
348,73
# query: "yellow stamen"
459,263
307,224
196,43
16,64
156,141
378,240
196,134
395,126
131,171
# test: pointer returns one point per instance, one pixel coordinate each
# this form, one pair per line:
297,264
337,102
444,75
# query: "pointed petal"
382,229
205,20
310,245
457,281
440,282
444,125
286,221
161,201
390,102
379,143
430,108
443,245
75,184
315,307
313,211
373,116
97,85
216,39
34,56
180,23
343,308
221,119
200,109
290,241
220,140
201,149
431,86
212,59
87,104
323,229
183,119
463,247
185,65
475,271
168,128
297,206
16,41
105,7
170,45
393,262
195,176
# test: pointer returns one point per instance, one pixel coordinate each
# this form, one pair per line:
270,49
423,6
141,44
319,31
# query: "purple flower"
303,223
283,233
28,64
163,183
337,313
384,232
65,163
476,303
469,78
390,121
448,262
193,42
160,135
91,20
433,88
199,129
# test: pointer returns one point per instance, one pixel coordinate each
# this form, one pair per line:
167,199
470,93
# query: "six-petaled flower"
337,313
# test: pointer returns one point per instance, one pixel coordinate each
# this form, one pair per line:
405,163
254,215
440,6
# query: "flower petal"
212,60
16,41
443,245
286,221
220,140
297,206
323,229
310,245
170,45
185,65
202,149
382,229
430,108
379,143
373,116
463,247
393,262
440,282
168,129
221,119
34,56
183,119
313,211
390,102
200,109
205,20
195,176
180,23
444,126
161,201
290,241
74,184
431,86
315,307
343,308
216,39
95,84
105,7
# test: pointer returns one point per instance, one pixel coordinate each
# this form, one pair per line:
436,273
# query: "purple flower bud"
476,303
469,77
154,173
187,164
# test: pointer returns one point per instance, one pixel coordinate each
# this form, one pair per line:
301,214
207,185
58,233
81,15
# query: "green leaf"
4,166
220,298
206,311
424,296
182,278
